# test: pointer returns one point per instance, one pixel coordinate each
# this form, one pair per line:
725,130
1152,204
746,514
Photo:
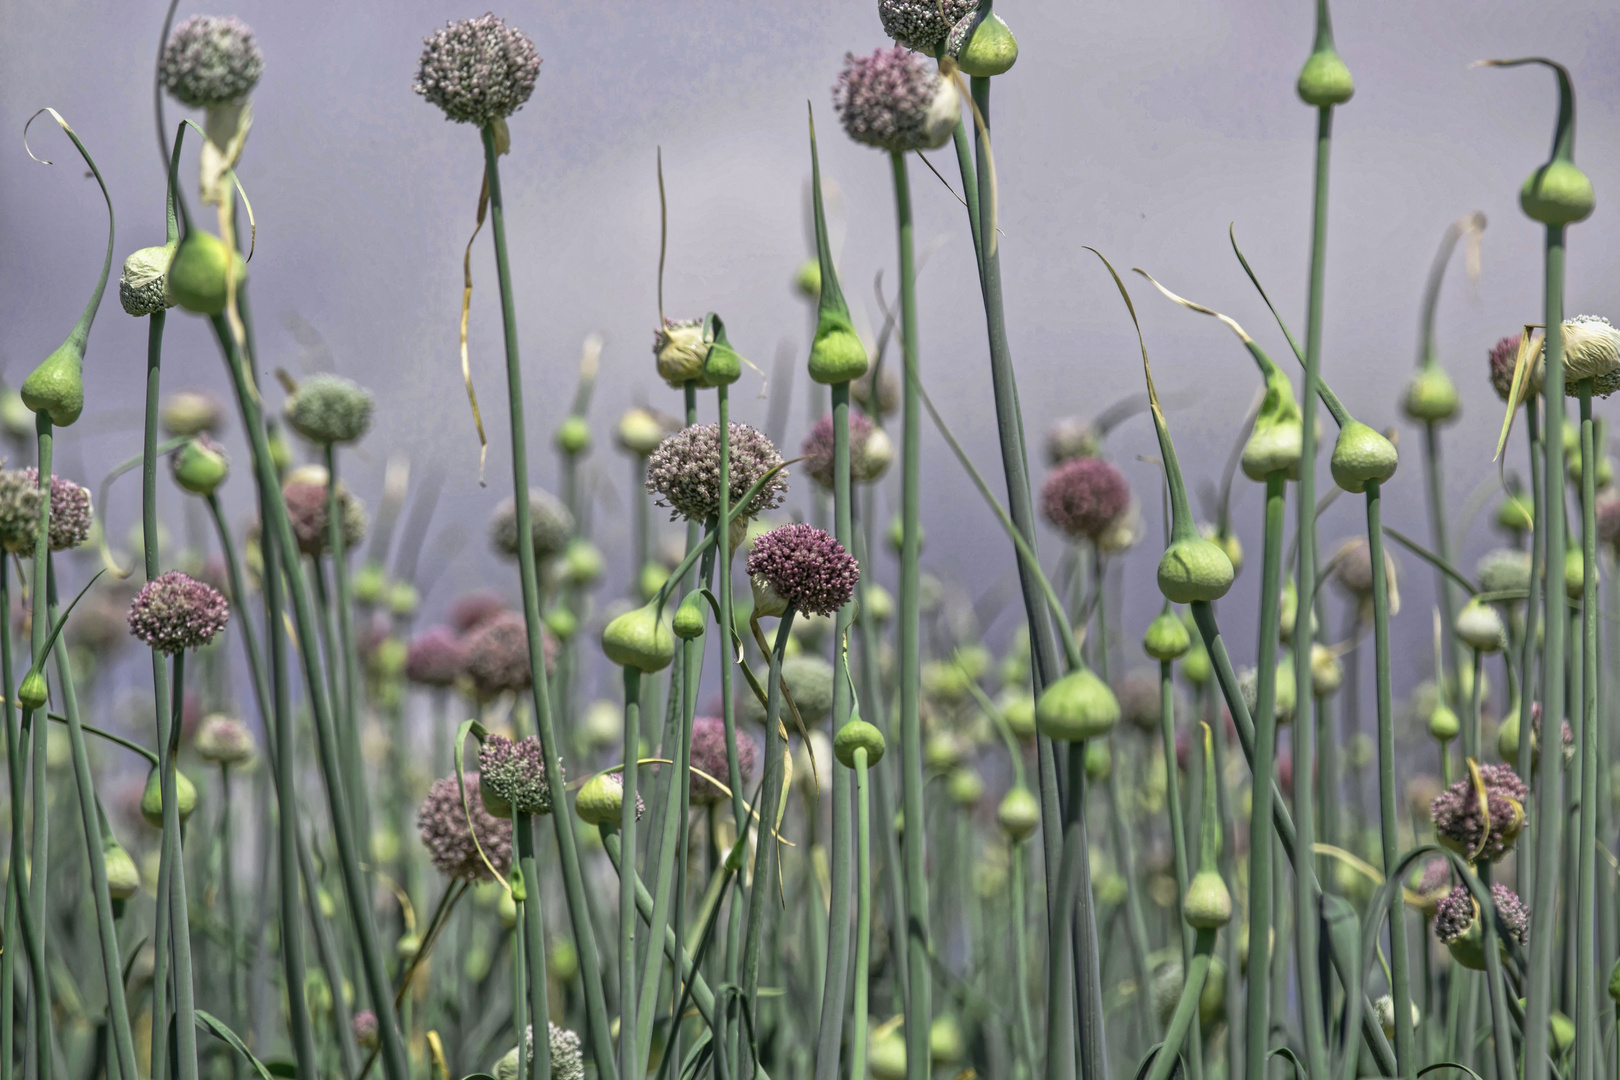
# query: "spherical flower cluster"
684,472
498,655
478,70
19,511
870,451
1085,496
306,510
174,612
365,1029
551,525
442,821
922,24
329,409
475,608
895,100
809,679
1071,437
192,412
210,60
224,741
436,657
709,756
1507,569
1456,912
1462,825
806,567
887,402
1504,356
514,771
567,1059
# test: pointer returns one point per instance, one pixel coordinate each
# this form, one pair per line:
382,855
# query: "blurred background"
1142,129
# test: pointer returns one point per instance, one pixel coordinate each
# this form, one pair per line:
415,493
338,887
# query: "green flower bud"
1479,626
152,798
1167,638
143,286
886,1057
1325,79
562,622
280,452
1196,667
494,804
1361,454
1018,708
1431,396
945,1039
768,603
1514,515
943,752
506,908
807,279
201,467
601,800
370,583
403,599
1444,724
723,364
652,578
642,639
1327,674
982,44
33,693
56,386
1099,761
880,602
328,409
196,278
407,947
123,879
563,960
1562,1029
1019,813
837,354
582,562
1076,707
965,788
574,436
691,617
1557,194
1614,983
1275,445
857,734
1575,573
1194,569
640,432
1208,904
680,349
1287,610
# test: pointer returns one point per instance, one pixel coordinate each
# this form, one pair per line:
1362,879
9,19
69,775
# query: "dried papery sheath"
143,284
1591,351
210,60
478,70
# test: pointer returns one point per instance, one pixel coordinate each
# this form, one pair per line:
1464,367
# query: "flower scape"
1096,743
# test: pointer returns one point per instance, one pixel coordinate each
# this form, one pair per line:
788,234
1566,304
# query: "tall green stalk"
347,699
1586,996
863,903
764,892
567,846
533,937
1532,612
628,880
39,850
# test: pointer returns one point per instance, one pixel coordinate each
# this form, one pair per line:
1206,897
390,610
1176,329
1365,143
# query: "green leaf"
219,1030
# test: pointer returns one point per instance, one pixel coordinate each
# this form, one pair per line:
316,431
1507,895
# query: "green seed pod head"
945,1039
1076,707
123,879
837,354
855,735
1287,610
1514,514
601,800
329,409
56,386
1194,569
1208,903
1431,396
640,431
403,598
1444,724
152,797
680,349
1574,573
582,562
1557,194
983,47
143,286
574,436
965,787
192,412
1196,667
691,617
1361,454
33,693
1562,1030
1605,465
722,366
506,908
807,279
1167,638
886,1059
562,623
1614,983
1325,79
1327,674
370,584
200,466
652,578
642,639
196,279
1227,542
1099,761
1019,813
1479,626
1018,708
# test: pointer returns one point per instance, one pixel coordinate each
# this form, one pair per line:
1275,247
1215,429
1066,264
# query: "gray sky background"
1141,129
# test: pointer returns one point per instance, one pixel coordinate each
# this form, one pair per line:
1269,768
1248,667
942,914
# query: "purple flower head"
498,655
474,609
515,772
442,821
922,24
436,657
1504,355
478,70
365,1029
1460,823
895,100
1515,914
210,60
709,755
1436,876
867,461
70,511
684,472
806,567
1456,912
306,509
174,612
1083,497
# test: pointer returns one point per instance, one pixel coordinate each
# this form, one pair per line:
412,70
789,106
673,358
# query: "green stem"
180,921
348,703
1399,959
628,880
16,898
1549,780
863,908
39,851
1020,956
1186,1014
702,996
534,942
567,846
1446,588
1585,1003
764,892
919,1009
1178,840
1532,612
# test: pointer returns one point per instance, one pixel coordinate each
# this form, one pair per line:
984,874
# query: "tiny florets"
1455,914
365,1029
567,1059
1085,496
306,510
867,458
498,655
551,525
895,100
436,657
684,472
175,612
1504,356
922,24
210,60
1514,912
478,70
807,567
1458,819
329,409
442,821
709,756
515,772
19,511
